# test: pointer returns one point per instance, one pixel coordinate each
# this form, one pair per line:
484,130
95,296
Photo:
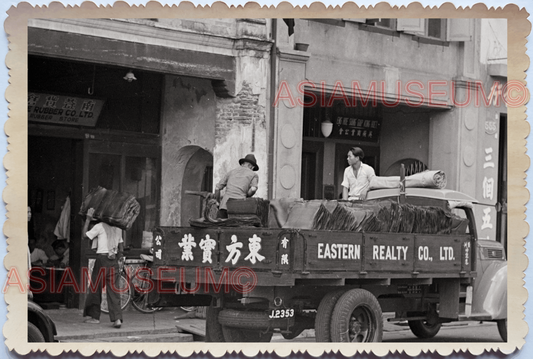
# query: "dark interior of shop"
63,164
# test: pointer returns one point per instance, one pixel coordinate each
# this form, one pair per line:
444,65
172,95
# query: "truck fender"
490,292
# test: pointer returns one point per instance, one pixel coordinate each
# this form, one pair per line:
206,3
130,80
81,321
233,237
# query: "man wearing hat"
240,183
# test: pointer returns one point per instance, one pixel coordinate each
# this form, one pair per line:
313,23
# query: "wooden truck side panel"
306,254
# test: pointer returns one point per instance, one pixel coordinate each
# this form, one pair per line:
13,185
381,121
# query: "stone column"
288,124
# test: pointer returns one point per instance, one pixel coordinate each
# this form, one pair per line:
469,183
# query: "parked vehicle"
41,328
258,280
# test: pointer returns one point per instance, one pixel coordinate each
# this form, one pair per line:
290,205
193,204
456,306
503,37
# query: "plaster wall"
493,45
188,124
350,54
241,125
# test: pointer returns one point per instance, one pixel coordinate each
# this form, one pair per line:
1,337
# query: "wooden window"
382,23
440,29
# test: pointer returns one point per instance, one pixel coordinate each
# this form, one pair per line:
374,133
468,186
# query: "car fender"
41,320
490,292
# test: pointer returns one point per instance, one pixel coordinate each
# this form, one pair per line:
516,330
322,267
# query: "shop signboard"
352,128
64,110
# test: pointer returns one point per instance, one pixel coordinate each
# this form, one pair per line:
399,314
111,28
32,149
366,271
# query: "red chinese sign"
64,110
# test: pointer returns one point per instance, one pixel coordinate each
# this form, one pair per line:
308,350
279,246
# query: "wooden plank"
192,326
333,250
255,248
191,252
439,253
388,252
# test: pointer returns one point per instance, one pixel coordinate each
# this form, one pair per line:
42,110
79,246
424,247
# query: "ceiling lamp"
326,127
130,76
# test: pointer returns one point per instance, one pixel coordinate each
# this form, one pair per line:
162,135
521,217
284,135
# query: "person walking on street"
357,176
240,183
109,245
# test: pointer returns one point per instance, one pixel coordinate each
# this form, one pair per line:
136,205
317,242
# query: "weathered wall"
242,121
349,54
188,124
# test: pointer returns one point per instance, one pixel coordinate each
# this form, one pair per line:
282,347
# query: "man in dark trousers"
109,245
240,183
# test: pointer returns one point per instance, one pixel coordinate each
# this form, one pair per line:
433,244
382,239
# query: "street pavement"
159,326
162,326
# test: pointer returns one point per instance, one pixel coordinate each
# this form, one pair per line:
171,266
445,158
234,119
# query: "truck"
286,275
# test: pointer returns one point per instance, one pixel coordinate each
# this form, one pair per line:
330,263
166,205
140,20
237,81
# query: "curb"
117,333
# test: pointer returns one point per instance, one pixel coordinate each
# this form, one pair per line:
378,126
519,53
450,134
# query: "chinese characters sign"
356,129
486,213
64,110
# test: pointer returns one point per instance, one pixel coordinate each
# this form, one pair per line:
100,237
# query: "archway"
197,176
412,166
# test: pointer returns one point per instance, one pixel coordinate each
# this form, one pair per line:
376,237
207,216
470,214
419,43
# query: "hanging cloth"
62,230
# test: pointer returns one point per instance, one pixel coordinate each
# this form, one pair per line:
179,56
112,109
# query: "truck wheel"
323,316
502,329
357,317
213,329
423,329
34,334
235,335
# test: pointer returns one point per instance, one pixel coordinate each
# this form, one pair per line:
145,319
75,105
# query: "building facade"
158,107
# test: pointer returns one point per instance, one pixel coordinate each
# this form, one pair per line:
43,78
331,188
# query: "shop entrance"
55,175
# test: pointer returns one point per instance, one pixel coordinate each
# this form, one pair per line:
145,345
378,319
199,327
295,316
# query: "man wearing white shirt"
109,245
357,176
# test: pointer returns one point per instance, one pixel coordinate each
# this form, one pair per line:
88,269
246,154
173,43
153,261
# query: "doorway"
55,173
312,168
197,176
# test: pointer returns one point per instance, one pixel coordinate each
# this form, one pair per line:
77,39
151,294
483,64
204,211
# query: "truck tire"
357,317
34,334
502,329
213,329
423,329
235,335
323,316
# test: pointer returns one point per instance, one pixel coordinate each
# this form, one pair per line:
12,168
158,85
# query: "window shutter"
411,26
362,21
459,30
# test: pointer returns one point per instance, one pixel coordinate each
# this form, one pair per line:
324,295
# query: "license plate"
281,313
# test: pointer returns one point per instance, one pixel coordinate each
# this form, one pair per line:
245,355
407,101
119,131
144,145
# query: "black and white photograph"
274,180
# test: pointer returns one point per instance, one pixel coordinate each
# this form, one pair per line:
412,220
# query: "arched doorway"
197,176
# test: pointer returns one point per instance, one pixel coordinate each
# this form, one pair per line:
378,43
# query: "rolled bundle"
117,209
380,182
426,179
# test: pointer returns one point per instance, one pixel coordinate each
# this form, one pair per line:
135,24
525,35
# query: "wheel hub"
359,325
